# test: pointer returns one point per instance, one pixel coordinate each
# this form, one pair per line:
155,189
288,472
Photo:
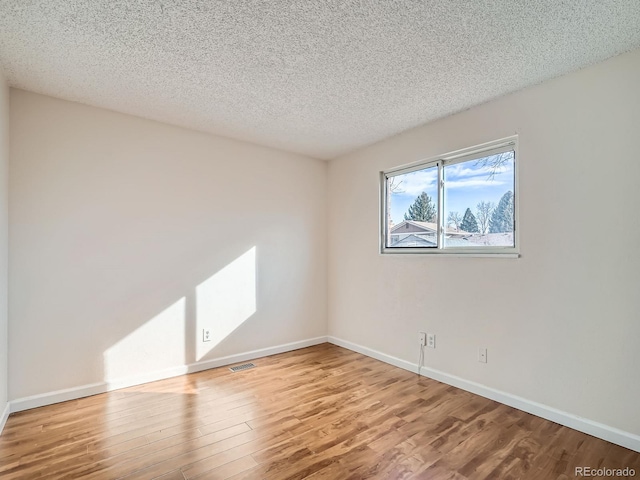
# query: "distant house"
412,240
409,233
424,234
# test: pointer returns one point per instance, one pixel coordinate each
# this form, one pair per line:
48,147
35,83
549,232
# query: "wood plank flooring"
320,413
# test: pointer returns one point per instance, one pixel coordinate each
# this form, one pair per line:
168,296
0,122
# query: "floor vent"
244,366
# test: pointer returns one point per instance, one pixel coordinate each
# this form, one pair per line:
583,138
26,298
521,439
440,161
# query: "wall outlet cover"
206,335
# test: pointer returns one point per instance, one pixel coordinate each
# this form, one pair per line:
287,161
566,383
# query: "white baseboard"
243,357
4,416
102,387
58,396
605,432
383,357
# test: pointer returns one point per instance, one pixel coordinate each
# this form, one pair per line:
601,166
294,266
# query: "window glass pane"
479,202
412,209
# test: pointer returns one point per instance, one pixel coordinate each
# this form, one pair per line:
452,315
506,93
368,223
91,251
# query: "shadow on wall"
173,337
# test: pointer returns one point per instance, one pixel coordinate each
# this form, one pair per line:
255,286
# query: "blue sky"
466,184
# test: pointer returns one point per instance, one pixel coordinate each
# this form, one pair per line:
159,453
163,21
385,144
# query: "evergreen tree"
422,209
469,223
502,216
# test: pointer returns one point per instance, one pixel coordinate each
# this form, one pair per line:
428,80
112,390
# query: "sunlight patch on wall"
157,344
226,300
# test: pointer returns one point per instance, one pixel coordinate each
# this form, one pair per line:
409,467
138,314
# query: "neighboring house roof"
425,227
422,234
413,241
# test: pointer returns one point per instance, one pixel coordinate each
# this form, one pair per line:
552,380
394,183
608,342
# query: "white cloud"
464,170
414,183
473,182
460,175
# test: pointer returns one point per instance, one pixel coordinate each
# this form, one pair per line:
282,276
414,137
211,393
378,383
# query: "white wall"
4,238
561,323
114,223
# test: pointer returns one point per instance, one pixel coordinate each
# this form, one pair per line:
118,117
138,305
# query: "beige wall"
4,238
561,322
115,223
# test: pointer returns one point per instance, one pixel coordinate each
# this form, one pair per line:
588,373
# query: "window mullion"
441,219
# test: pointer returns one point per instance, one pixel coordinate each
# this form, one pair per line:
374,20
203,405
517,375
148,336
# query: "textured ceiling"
316,77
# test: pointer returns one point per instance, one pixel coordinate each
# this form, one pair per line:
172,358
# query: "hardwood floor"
320,413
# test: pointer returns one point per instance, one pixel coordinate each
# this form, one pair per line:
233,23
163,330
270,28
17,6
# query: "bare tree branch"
484,211
454,219
494,163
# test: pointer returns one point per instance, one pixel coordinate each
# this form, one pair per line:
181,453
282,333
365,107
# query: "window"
462,202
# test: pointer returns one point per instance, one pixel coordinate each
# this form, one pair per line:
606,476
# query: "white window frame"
463,155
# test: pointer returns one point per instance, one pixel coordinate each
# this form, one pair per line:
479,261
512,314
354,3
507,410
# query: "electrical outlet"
423,338
431,340
206,335
482,355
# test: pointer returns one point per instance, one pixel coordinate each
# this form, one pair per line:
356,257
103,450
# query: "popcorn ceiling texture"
315,77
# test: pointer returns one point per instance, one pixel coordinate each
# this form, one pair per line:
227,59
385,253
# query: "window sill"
410,251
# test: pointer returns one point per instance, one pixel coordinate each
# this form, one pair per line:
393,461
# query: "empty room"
319,239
